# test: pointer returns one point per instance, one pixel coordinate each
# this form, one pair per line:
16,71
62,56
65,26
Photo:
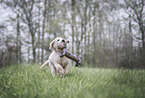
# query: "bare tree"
137,10
73,4
18,43
43,29
27,17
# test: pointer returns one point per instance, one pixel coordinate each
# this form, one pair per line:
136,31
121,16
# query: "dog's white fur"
57,63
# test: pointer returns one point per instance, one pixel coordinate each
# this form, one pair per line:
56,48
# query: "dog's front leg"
59,69
52,69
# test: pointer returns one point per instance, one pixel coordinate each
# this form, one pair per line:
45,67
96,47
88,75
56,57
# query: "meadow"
26,81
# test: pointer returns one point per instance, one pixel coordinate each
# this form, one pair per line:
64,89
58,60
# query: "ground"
26,81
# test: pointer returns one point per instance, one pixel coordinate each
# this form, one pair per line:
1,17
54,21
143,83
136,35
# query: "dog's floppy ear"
51,44
67,41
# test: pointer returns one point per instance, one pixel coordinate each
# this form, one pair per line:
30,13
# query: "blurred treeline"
102,32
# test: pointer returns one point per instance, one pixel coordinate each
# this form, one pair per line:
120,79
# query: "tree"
73,4
28,17
43,28
136,8
18,43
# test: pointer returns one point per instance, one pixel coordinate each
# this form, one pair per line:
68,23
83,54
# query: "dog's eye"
63,40
58,40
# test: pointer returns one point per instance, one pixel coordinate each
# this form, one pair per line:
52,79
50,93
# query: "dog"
57,63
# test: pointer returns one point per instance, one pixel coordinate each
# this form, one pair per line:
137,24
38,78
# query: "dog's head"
58,44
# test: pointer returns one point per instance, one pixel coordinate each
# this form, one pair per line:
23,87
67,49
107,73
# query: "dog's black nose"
63,40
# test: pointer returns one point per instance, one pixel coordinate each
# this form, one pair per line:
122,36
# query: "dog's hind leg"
44,64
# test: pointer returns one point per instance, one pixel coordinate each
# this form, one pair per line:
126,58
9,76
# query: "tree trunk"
33,46
130,36
85,31
94,36
39,37
18,39
72,25
43,28
28,54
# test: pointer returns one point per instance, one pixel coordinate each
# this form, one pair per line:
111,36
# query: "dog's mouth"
61,46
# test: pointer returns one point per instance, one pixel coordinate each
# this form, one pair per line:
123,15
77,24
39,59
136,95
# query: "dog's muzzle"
61,46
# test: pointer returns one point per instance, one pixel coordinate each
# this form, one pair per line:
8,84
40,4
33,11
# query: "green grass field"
26,81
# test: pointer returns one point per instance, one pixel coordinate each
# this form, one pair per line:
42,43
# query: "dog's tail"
44,64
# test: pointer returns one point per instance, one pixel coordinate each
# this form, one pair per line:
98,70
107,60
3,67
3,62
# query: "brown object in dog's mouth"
71,56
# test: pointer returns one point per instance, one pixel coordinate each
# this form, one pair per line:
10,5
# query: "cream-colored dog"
57,63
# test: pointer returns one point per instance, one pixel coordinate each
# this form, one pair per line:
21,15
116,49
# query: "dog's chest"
63,61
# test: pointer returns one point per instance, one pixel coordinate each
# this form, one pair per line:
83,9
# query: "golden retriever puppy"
57,63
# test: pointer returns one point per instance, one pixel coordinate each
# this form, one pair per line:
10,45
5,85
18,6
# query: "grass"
26,81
